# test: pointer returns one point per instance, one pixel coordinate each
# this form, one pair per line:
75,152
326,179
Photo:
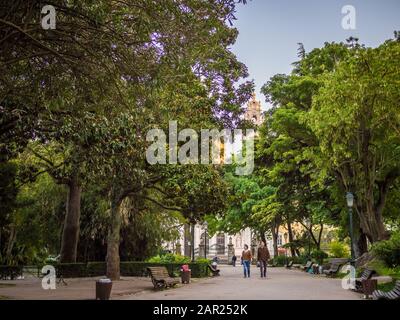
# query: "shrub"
169,258
96,269
280,261
338,250
319,256
127,269
389,250
203,260
302,259
71,270
10,272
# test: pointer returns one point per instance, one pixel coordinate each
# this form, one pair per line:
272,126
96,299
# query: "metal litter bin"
369,286
185,276
103,289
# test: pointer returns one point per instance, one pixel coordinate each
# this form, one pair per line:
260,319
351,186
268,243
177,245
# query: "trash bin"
103,289
185,273
185,276
369,286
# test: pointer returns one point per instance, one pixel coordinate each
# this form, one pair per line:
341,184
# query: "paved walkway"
76,289
281,284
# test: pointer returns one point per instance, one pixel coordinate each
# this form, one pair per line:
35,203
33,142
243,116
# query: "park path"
281,284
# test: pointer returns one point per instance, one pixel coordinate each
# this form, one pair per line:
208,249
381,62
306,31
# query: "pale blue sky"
269,30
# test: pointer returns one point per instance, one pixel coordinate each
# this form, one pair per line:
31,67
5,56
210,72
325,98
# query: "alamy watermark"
227,146
48,22
49,278
349,21
349,280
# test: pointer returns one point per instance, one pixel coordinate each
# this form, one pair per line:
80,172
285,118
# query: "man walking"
262,258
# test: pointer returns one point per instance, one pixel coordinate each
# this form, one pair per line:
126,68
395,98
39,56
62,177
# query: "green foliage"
386,287
302,259
37,221
319,256
169,258
203,260
389,250
279,261
352,117
338,250
382,269
128,269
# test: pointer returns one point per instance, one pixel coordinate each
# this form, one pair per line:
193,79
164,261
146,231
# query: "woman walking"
262,258
246,260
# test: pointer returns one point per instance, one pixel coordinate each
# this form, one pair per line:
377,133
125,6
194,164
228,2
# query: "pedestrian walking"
234,258
262,257
246,260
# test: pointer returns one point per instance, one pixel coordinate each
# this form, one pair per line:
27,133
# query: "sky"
269,30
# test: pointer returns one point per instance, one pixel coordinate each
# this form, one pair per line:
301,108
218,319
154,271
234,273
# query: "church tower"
253,111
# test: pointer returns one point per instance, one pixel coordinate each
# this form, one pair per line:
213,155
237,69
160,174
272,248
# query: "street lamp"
205,226
350,203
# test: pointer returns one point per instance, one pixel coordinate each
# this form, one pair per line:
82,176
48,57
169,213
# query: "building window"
279,240
220,243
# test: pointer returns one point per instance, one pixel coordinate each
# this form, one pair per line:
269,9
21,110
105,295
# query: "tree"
352,117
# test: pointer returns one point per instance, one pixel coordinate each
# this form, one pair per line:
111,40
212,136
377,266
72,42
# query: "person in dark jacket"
234,258
262,258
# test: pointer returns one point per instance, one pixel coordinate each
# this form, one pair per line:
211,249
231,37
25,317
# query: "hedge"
98,269
127,269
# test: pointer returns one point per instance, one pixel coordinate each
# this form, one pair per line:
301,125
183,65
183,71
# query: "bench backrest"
158,272
367,274
335,266
397,287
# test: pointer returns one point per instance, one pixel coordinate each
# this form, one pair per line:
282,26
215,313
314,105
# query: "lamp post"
350,203
205,226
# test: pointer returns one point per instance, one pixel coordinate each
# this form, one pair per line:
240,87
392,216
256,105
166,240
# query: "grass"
4,298
386,286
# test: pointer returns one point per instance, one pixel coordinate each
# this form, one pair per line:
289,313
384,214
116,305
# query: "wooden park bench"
366,275
307,266
160,277
215,272
391,295
333,269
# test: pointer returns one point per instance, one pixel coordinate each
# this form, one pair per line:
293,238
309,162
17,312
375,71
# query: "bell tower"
253,111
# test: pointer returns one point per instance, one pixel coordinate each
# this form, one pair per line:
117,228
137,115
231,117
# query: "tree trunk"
70,237
113,240
321,230
186,238
290,235
10,245
192,241
262,237
371,222
275,241
361,245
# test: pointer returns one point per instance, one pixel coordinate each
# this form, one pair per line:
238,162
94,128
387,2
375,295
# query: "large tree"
352,117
